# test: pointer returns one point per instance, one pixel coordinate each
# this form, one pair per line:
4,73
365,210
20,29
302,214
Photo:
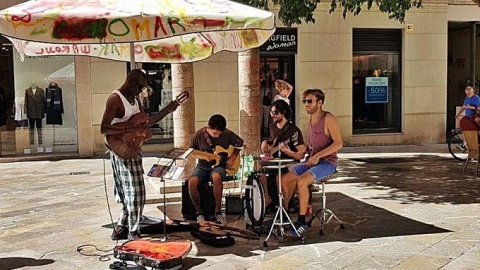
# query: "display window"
38,105
376,82
156,96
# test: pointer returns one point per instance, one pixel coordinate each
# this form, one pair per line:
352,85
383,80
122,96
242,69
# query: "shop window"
38,112
157,96
376,89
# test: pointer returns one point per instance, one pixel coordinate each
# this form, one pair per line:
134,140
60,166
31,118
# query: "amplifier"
233,204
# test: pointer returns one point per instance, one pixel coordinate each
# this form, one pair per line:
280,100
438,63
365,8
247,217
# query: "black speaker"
207,201
233,204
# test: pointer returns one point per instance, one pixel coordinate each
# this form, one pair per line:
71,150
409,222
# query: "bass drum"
255,199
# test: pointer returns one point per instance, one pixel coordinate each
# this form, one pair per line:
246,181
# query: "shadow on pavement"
362,221
424,178
19,262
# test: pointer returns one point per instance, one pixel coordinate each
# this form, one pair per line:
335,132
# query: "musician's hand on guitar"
284,148
266,147
231,161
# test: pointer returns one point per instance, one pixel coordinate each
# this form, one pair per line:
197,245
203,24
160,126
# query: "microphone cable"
81,248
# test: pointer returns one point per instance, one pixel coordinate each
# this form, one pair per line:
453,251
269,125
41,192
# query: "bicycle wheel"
457,147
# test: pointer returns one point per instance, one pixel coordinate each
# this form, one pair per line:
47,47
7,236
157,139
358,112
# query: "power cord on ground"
81,248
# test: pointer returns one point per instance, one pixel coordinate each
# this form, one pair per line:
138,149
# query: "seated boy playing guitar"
207,139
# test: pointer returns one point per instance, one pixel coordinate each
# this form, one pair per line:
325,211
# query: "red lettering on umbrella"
75,29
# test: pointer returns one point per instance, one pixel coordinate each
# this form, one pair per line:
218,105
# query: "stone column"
249,97
184,115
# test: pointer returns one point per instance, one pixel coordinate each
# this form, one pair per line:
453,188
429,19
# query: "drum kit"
256,206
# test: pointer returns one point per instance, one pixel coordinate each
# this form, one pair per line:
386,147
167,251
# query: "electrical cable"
80,249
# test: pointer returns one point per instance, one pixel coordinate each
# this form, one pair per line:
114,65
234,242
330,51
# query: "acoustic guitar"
221,155
128,145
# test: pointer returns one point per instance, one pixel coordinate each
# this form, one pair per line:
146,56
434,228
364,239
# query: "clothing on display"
20,109
35,106
54,104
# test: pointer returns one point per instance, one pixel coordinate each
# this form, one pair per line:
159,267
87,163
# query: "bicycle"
457,146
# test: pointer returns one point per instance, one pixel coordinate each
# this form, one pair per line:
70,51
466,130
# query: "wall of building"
96,79
324,60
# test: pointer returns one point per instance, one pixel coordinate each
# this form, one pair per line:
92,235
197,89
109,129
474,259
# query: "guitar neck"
203,155
162,113
277,148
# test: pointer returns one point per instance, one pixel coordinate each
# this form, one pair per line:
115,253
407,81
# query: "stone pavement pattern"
403,207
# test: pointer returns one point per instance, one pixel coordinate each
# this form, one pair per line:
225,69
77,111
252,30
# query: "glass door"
273,67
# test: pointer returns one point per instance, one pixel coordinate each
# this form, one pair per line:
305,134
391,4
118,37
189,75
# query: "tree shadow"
362,221
19,262
422,178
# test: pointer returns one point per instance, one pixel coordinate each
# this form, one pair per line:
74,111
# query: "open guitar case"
154,254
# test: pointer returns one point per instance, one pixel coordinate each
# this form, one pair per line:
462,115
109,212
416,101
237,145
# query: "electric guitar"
221,155
277,148
127,145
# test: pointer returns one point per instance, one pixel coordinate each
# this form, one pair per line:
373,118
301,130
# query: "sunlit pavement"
404,207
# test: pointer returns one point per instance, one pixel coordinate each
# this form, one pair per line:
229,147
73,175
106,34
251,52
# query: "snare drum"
255,199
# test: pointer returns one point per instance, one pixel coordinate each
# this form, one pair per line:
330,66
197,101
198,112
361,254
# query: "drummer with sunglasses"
324,141
286,140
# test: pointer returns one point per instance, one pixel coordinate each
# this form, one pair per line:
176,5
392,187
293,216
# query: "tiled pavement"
404,207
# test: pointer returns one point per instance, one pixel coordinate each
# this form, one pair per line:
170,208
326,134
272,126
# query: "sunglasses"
275,112
309,101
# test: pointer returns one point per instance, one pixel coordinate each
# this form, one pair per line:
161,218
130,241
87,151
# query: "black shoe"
134,236
119,233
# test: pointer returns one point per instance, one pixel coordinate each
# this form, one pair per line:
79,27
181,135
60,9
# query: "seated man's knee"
193,182
216,178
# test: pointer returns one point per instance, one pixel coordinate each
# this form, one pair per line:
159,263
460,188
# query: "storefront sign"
283,40
376,90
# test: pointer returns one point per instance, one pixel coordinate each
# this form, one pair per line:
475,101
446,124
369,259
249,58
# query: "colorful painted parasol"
168,31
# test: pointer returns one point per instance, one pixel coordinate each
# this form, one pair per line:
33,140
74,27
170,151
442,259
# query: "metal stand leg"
279,214
324,214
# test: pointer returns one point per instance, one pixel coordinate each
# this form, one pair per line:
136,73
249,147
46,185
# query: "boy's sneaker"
221,219
134,236
301,228
119,233
200,219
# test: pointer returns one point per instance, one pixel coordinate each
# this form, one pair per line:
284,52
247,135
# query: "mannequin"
35,107
54,104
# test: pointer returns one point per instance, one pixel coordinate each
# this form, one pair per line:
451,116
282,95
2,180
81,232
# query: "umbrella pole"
132,56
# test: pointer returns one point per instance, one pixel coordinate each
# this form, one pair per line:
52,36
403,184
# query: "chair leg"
466,163
476,170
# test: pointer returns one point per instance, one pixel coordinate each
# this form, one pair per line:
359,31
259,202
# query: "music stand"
173,154
280,209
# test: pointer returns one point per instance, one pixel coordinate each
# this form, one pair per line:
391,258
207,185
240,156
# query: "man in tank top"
324,141
127,173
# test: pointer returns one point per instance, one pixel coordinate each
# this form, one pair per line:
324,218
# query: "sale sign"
376,90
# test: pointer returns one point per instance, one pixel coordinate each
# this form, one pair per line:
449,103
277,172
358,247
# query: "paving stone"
401,210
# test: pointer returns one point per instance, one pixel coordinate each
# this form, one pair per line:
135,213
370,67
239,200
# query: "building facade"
387,82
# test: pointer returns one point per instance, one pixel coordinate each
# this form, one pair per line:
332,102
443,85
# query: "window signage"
376,90
283,40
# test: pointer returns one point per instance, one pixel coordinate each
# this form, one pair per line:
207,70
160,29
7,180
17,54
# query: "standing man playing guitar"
286,140
125,126
207,139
